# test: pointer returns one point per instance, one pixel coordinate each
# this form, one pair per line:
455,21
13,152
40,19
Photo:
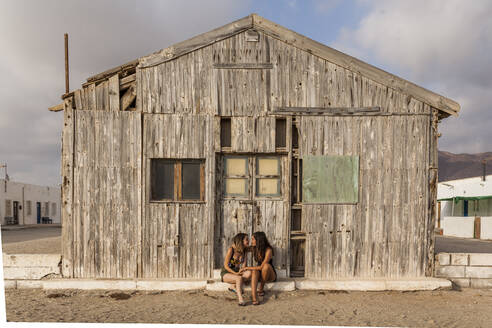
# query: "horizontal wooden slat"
243,66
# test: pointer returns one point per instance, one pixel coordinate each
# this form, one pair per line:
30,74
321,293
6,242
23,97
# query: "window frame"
178,180
246,177
258,176
252,177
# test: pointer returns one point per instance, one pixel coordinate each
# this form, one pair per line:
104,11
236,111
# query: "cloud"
102,34
442,45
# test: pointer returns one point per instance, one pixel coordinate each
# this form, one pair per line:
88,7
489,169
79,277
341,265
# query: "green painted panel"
330,179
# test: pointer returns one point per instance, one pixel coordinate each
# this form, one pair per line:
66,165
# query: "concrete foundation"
284,286
375,284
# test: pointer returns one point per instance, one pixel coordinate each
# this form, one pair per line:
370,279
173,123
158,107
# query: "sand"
50,245
467,308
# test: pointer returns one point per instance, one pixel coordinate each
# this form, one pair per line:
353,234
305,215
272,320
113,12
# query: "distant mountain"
459,166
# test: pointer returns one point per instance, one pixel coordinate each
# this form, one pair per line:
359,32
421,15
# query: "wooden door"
234,216
38,212
16,212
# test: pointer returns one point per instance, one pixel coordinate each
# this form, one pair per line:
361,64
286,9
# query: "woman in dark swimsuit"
264,271
233,262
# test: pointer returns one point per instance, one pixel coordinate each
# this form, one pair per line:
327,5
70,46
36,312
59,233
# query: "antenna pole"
67,88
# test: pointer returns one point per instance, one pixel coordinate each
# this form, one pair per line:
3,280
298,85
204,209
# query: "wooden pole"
67,88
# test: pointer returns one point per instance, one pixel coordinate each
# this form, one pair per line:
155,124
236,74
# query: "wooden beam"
67,87
196,42
128,97
353,64
57,108
125,82
244,66
130,65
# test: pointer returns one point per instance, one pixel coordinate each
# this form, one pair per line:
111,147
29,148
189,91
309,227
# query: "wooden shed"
249,127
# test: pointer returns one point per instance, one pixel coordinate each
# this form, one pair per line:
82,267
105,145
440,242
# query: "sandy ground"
467,308
39,246
39,239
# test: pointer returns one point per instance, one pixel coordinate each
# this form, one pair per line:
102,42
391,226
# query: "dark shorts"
224,271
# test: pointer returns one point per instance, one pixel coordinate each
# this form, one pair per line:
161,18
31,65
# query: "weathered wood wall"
107,191
384,233
177,237
179,104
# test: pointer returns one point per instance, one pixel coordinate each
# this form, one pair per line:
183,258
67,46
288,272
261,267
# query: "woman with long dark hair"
264,271
235,259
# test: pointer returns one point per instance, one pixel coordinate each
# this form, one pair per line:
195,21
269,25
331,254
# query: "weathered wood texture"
177,238
180,96
67,190
107,192
269,215
432,195
383,235
191,84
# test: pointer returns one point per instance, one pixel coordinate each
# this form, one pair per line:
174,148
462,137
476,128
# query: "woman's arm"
268,257
226,261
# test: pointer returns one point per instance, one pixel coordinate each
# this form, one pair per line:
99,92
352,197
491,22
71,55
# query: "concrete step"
30,266
281,285
216,285
408,284
281,273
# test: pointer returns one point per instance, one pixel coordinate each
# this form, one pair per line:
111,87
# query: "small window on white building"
53,209
8,207
47,209
28,207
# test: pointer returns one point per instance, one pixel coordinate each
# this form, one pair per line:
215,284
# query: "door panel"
271,218
235,216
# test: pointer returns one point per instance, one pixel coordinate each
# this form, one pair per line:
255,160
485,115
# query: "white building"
22,203
465,207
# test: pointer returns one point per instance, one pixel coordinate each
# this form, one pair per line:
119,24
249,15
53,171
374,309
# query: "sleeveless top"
234,263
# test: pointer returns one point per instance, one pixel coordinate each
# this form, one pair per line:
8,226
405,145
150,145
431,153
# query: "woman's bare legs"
267,275
237,280
255,276
246,276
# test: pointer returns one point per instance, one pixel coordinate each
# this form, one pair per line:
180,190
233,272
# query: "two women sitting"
237,273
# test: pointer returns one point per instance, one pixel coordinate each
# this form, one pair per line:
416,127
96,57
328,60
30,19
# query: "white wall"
22,193
465,187
458,226
486,227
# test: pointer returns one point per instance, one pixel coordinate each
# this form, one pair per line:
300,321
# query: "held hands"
243,269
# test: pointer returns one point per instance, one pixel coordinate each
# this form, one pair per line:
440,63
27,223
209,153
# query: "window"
238,178
53,209
8,207
330,179
225,132
177,180
280,132
267,176
28,207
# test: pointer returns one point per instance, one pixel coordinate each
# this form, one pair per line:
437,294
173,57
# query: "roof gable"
253,21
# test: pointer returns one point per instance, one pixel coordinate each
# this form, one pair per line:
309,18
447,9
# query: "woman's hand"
244,269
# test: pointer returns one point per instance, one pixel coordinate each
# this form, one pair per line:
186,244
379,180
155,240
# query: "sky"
444,46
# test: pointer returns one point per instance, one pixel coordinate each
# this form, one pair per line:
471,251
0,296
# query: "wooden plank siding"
107,176
177,237
383,234
112,229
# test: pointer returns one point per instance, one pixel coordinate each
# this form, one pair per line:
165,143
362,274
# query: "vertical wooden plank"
67,171
114,93
91,96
